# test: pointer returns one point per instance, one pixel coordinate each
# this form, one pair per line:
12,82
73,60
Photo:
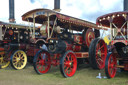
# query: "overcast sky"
84,9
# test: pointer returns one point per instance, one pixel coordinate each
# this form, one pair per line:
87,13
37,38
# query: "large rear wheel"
18,59
42,62
110,65
97,53
68,64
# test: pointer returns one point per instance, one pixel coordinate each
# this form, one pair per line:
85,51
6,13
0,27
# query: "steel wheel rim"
19,59
4,62
112,66
43,62
70,64
101,53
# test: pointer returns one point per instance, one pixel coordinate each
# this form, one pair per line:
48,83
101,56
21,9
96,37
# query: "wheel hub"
99,53
17,59
42,62
90,37
68,63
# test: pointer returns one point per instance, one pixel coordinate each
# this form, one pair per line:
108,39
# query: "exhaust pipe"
11,11
125,5
57,5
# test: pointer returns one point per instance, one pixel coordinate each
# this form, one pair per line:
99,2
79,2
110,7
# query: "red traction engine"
117,56
17,44
70,41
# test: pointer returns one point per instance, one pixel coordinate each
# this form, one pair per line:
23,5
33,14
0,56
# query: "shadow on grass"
123,74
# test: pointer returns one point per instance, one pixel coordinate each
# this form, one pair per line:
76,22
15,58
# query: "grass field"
84,76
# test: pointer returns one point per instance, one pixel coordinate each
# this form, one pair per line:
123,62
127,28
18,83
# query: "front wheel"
42,62
68,64
110,65
18,59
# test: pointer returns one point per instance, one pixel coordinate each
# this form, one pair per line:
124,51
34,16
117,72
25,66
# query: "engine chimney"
125,5
57,5
11,11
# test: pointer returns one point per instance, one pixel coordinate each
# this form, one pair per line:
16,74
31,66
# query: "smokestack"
57,5
11,11
125,5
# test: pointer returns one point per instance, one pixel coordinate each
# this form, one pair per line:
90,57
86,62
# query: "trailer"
117,56
70,41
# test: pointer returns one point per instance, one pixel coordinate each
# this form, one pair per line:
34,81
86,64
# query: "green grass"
84,76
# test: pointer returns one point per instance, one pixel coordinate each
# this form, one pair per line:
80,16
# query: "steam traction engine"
68,41
117,56
18,43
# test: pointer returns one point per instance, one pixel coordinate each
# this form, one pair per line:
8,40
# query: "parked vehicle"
70,41
18,43
117,56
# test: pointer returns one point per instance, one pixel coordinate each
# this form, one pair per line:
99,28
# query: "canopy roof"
14,25
118,18
41,15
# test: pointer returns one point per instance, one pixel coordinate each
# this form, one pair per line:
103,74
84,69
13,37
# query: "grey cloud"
85,7
92,16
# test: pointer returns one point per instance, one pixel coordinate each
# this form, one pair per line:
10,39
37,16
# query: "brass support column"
33,36
53,27
127,29
111,31
48,26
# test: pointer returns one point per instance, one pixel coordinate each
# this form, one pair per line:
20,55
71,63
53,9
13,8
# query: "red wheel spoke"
98,46
101,46
68,58
111,70
41,67
112,63
69,64
43,63
66,69
71,59
97,50
100,59
70,69
97,56
102,54
98,63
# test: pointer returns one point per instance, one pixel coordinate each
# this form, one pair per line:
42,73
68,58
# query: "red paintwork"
112,62
101,53
116,41
44,62
116,19
68,46
82,54
70,64
55,60
78,39
1,49
31,51
22,46
76,48
10,32
90,35
126,66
